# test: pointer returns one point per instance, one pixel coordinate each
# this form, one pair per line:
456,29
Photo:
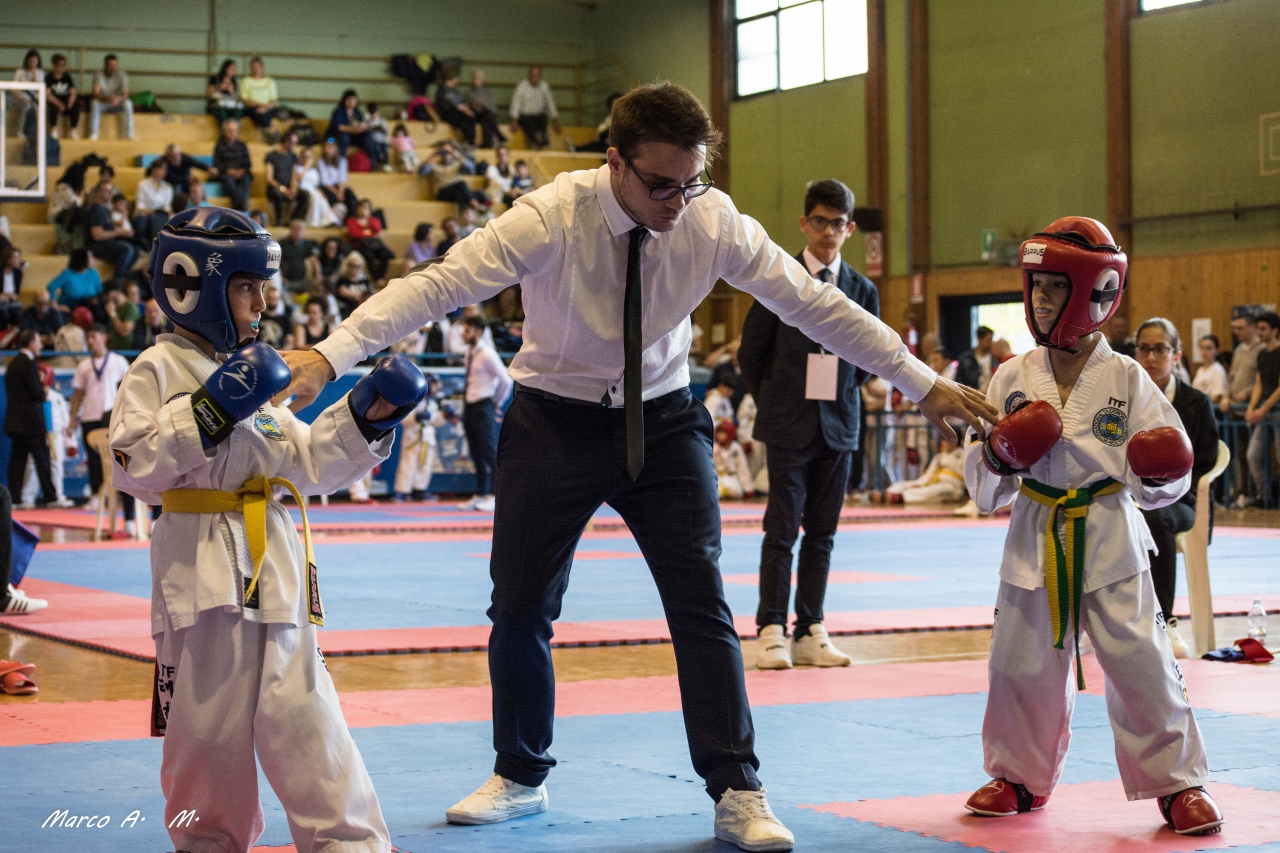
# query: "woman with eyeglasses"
1158,350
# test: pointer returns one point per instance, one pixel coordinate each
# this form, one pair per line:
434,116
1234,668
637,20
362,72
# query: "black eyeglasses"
666,193
822,223
1159,350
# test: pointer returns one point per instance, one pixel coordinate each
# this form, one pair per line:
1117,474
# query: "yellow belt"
1066,553
251,499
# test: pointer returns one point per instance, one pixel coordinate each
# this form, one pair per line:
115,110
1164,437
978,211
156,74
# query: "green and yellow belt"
1064,554
251,499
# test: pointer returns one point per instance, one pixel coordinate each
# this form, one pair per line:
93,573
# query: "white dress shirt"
531,100
486,375
154,195
816,266
566,243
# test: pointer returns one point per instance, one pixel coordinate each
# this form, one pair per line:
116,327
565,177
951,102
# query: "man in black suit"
809,413
24,418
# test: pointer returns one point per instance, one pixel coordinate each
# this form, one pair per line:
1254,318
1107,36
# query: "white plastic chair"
1194,547
109,504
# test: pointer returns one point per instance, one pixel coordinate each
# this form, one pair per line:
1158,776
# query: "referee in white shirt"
611,264
487,388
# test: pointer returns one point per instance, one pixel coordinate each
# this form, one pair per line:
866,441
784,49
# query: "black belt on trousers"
568,401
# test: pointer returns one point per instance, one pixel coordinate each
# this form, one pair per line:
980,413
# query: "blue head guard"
196,254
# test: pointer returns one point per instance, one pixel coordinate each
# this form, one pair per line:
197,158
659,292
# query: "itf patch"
1110,426
1013,401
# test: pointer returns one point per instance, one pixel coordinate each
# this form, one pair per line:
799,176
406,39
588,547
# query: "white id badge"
820,378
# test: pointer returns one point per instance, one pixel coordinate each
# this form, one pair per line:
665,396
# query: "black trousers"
36,446
535,130
482,441
1166,523
557,463
806,486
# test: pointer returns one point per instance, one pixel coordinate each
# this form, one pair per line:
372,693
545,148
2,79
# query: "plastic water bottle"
1258,622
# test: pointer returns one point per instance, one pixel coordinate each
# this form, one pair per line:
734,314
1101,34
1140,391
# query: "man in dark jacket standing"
809,405
24,418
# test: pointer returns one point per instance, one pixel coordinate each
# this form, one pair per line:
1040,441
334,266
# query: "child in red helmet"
731,463
1087,439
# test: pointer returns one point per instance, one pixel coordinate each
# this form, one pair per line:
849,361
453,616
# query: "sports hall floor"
877,756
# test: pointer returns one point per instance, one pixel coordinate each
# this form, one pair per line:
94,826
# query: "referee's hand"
947,399
311,372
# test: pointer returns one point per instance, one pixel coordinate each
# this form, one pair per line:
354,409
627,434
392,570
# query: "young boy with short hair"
235,595
1087,439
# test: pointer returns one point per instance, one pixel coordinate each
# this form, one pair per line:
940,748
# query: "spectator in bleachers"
299,264
451,235
448,171
107,239
319,213
333,180
231,165
353,285
315,328
521,183
1117,330
30,72
154,323
484,107
42,318
453,106
363,229
1211,376
77,285
466,223
195,196
421,249
347,125
601,143
153,203
1264,435
123,315
223,94
106,175
532,108
71,337
178,168
283,189
379,134
500,173
11,266
406,153
259,96
275,326
331,254
111,95
121,220
61,97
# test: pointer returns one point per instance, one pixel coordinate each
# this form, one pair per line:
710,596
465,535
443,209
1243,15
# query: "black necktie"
632,343
824,274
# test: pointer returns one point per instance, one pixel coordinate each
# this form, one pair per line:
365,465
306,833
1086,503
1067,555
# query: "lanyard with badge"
821,374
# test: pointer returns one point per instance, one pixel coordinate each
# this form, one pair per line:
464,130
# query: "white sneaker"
63,503
485,504
745,819
20,603
1180,649
92,505
471,504
497,800
816,649
771,648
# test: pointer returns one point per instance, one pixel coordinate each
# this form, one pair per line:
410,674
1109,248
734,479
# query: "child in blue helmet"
235,593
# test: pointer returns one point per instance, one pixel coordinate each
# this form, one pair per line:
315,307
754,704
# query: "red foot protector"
1089,816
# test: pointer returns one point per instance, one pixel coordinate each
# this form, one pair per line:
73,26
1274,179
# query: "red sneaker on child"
1191,812
1001,798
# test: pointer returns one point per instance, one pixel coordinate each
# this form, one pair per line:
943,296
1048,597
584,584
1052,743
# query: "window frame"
775,13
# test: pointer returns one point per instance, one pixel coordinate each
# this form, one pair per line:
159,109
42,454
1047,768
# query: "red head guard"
1084,251
728,429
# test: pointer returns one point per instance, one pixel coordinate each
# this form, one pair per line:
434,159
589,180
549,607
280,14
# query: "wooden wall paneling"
1119,126
877,110
918,133
723,73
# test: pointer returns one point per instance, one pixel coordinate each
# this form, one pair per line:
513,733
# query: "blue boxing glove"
244,382
395,379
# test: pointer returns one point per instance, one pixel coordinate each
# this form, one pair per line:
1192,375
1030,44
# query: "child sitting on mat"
235,595
1086,440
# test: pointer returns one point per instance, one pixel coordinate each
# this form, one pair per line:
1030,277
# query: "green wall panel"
1017,120
1203,86
780,142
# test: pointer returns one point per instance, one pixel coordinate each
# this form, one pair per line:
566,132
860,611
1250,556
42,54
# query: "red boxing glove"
1161,455
1022,438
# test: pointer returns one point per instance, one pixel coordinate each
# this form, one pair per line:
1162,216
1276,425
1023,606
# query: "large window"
1152,5
783,44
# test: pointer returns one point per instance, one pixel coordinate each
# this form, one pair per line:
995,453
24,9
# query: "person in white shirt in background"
59,443
611,263
719,402
488,386
532,107
731,463
153,203
941,482
454,341
93,395
1211,376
